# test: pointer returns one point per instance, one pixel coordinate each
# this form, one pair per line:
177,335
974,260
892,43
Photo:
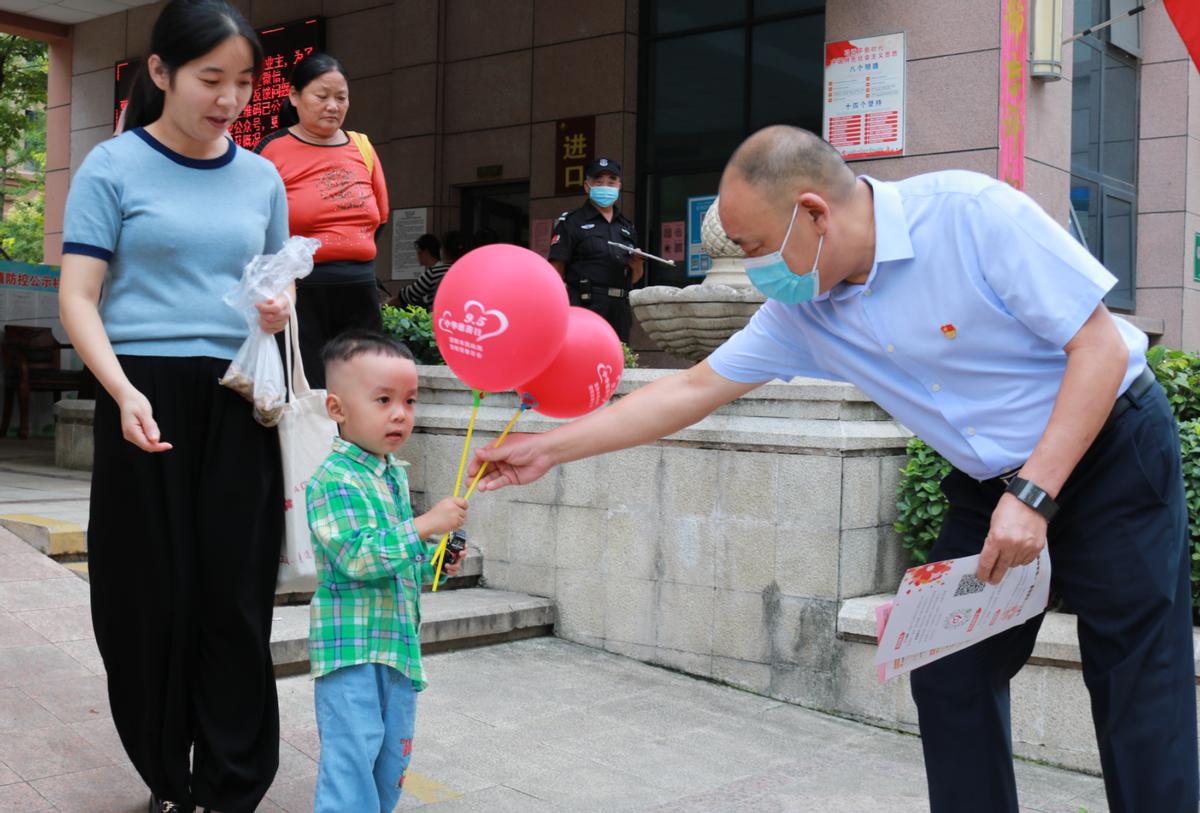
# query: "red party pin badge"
949,330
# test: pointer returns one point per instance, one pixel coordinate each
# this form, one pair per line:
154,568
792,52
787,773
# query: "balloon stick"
439,555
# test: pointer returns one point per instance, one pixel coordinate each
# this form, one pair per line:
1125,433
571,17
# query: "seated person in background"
422,290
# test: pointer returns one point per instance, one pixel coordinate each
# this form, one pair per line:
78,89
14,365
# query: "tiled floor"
536,725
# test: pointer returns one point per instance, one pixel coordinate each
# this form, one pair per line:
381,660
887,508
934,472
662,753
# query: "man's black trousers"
1120,559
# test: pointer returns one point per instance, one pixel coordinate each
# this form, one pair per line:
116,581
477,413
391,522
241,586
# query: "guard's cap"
596,168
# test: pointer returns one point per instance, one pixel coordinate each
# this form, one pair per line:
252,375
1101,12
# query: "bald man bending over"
973,318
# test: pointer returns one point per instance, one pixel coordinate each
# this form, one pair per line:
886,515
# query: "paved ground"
537,725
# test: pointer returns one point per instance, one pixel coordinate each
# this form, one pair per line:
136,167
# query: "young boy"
364,641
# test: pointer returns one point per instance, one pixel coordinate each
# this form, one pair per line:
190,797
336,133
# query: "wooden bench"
33,363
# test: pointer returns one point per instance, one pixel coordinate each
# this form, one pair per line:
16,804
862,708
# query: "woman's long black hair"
306,70
185,30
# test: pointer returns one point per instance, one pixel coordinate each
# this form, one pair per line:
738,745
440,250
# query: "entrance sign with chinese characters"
574,149
284,46
864,96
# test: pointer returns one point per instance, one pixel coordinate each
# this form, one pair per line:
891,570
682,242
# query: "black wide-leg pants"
327,311
183,548
1120,559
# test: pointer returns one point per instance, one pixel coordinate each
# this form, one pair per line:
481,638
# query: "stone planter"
692,322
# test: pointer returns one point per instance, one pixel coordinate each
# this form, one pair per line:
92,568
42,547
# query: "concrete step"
450,619
54,537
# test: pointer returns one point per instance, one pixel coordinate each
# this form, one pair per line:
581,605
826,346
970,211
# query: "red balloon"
584,374
499,316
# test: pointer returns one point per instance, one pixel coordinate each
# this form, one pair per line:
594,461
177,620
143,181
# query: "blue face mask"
604,196
771,275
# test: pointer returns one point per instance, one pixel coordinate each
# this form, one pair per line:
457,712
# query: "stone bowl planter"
691,322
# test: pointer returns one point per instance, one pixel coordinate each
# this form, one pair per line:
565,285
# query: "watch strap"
1034,496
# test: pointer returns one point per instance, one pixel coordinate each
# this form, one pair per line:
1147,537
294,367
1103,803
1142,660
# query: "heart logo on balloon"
477,318
602,389
480,320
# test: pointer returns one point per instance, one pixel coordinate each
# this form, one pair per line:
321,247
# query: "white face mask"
771,274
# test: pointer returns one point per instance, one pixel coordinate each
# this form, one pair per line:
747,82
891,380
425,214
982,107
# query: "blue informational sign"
698,261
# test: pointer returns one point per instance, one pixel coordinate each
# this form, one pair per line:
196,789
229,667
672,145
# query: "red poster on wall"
673,246
864,96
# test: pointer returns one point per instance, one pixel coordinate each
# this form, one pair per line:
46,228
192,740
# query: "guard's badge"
949,330
603,162
588,226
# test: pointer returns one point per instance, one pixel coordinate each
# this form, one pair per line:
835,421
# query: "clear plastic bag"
256,372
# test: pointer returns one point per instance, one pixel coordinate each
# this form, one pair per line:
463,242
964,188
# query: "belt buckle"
1008,478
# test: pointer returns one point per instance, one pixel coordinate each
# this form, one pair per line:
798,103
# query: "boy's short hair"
354,343
428,243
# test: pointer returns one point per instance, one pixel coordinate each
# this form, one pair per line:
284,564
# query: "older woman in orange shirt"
337,194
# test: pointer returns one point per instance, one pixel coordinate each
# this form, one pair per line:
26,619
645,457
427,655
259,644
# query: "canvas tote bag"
306,435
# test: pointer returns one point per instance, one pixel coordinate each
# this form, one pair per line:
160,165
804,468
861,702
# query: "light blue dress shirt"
958,331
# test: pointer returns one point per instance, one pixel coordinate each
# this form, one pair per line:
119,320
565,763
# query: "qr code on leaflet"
968,584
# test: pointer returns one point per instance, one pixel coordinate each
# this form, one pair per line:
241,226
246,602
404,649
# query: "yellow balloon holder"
527,403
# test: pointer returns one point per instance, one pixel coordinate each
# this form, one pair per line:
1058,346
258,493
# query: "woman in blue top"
187,498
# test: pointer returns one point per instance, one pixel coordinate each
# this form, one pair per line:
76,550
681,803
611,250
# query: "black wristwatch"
1033,496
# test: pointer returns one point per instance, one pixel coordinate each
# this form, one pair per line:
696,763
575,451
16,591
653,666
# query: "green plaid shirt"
370,563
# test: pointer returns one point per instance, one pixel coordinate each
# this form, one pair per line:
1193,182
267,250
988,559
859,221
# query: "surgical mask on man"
771,275
604,196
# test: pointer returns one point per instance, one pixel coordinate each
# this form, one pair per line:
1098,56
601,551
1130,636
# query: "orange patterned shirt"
331,196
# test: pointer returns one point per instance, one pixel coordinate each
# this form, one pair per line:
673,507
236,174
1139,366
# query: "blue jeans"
365,716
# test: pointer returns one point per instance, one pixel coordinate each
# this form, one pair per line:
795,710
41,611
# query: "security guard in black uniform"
598,275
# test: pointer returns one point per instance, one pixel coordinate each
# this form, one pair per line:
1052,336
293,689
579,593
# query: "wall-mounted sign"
407,226
698,261
864,96
574,149
541,231
1196,260
284,46
671,246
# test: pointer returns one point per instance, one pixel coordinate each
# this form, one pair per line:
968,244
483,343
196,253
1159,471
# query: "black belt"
615,293
1125,400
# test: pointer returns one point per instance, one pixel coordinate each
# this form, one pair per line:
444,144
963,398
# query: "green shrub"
631,358
1179,373
919,500
1189,437
921,505
413,326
